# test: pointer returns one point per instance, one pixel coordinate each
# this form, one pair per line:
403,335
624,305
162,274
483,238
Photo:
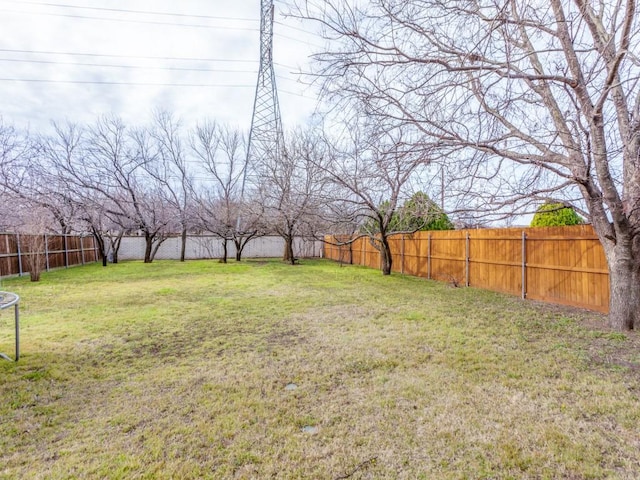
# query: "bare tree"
32,241
223,209
61,163
374,171
534,100
116,162
291,189
14,148
107,167
29,180
169,171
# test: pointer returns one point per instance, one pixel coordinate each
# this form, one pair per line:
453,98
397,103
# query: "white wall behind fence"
132,248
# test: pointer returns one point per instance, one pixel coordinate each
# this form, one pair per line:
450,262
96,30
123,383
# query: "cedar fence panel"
448,256
59,251
567,269
495,260
564,265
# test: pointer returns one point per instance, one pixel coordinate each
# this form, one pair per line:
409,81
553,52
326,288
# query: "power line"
287,79
291,27
285,66
144,12
124,20
173,24
141,84
140,67
305,42
280,90
186,59
146,57
148,12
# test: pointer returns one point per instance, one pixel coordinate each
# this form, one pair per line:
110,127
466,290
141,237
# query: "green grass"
173,370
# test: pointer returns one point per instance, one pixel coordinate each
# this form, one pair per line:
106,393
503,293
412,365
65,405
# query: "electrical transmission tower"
266,139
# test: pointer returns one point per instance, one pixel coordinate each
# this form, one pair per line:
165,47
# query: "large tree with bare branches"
166,164
533,99
222,208
373,170
290,187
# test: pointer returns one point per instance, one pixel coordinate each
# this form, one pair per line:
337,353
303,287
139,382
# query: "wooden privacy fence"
564,265
56,251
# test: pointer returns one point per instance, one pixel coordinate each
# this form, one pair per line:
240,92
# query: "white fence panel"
132,248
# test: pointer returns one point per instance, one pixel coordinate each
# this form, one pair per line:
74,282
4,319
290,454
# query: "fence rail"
57,251
564,265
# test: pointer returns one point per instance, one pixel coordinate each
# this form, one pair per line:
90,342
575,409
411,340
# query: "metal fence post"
19,255
467,259
524,265
17,326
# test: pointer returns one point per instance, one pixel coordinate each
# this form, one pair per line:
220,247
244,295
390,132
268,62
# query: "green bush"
420,213
416,214
555,215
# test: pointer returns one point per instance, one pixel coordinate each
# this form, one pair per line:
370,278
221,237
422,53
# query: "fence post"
95,248
82,248
6,241
19,255
46,251
524,265
350,251
66,251
8,257
467,259
429,256
402,255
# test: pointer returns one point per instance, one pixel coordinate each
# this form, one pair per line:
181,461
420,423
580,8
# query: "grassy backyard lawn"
263,370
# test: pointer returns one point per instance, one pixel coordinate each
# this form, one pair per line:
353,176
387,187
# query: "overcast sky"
77,59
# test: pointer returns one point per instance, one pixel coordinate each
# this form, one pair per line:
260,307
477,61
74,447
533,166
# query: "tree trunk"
183,246
158,241
288,250
148,248
99,239
115,246
224,251
241,242
624,300
385,253
239,246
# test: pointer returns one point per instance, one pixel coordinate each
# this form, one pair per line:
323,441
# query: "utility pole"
442,188
266,139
